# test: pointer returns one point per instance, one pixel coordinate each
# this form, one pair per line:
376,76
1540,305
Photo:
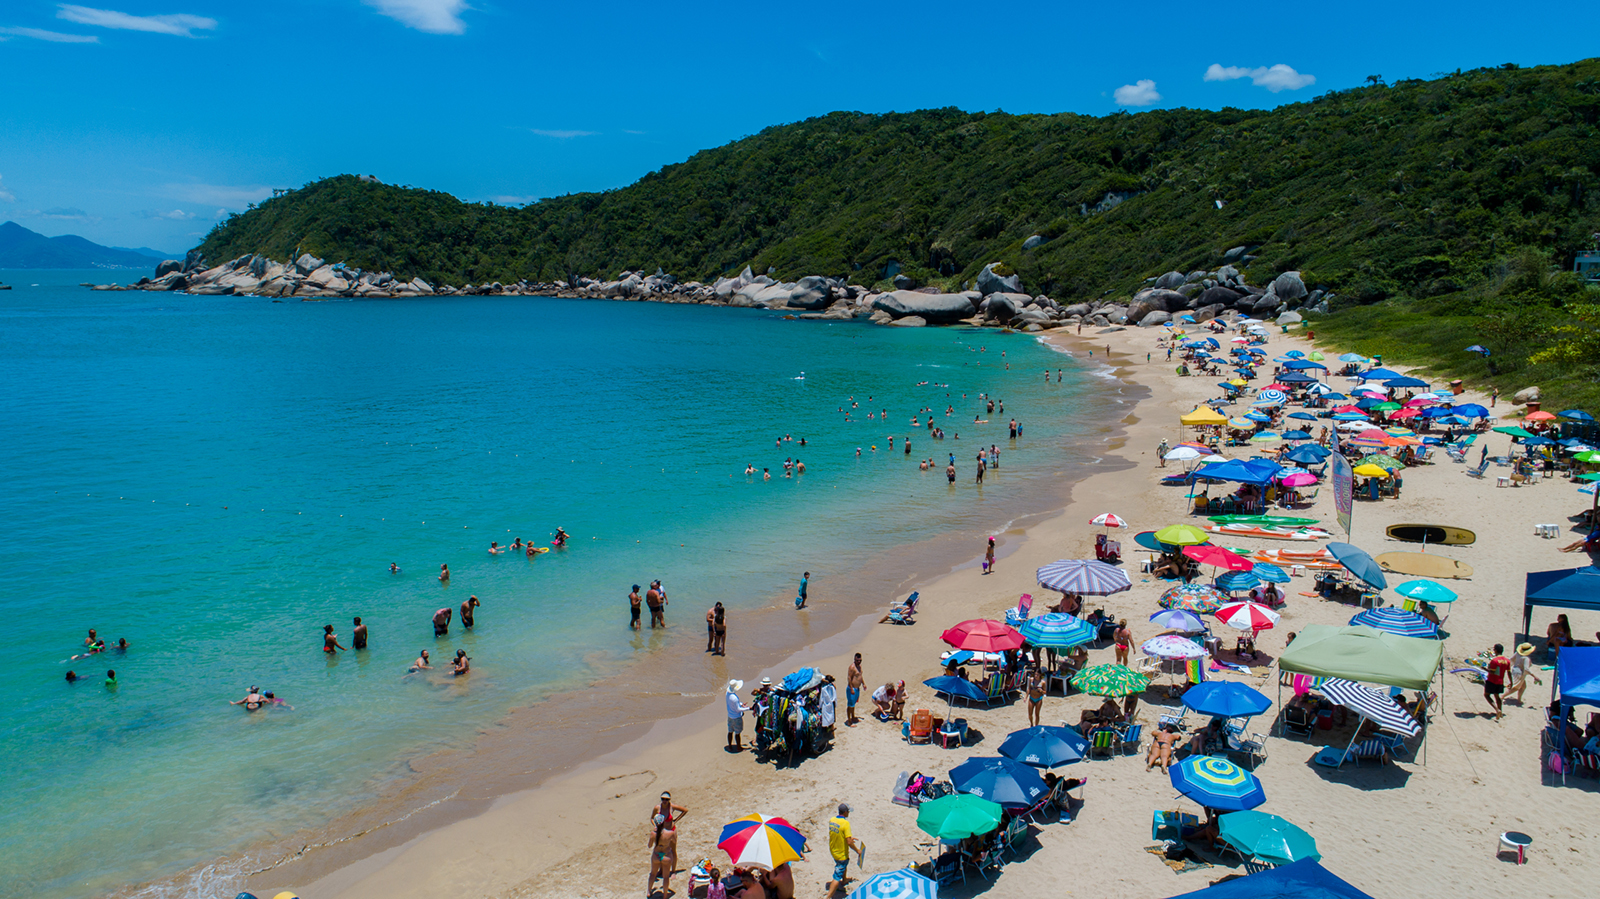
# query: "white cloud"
234,196
6,196
1139,93
1274,78
179,25
432,16
562,135
171,215
53,36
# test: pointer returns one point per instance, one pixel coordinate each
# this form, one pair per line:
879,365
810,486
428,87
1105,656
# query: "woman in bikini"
330,643
251,701
1036,690
663,855
1124,640
719,627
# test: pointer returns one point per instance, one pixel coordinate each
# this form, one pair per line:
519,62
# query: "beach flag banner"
1343,486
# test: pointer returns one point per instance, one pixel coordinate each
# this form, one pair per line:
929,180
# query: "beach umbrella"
1270,573
1303,416
1308,455
1247,616
1226,699
1387,463
1199,598
1359,563
1353,357
1513,431
1218,557
1294,354
1257,416
902,884
758,841
1235,581
1183,454
1170,647
1387,406
1576,415
1181,535
1266,837
1271,396
1300,479
958,816
1588,456
1404,414
1002,780
1044,746
1217,783
1470,410
1057,630
1237,382
1110,680
1179,620
1397,621
1371,471
1296,435
1244,423
1108,520
1316,356
1085,577
1349,416
1405,382
1344,410
953,687
982,635
1377,707
1540,415
1266,437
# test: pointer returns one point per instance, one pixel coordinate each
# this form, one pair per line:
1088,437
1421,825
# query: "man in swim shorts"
466,611
853,683
1494,680
634,601
441,623
358,640
421,663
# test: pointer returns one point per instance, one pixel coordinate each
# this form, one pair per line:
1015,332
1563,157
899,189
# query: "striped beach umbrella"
1110,680
1270,573
1247,616
1241,423
759,841
1266,437
1198,598
1234,581
1217,783
1170,647
1179,620
1273,397
1378,706
1085,577
902,884
1109,520
1057,630
1397,621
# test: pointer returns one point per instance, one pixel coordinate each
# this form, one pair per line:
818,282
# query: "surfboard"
1424,565
1432,533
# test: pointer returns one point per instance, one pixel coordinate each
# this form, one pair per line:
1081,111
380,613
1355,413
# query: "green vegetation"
1426,196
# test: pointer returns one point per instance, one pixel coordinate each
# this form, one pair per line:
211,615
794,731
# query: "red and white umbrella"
1247,616
1109,520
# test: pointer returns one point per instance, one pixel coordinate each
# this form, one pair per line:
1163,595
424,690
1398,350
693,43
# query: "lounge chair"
1016,616
1102,739
948,868
904,612
1478,472
1172,715
920,727
1128,738
1298,720
1017,830
996,688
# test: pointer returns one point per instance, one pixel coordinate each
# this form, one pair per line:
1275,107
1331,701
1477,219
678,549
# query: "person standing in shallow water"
634,601
805,593
466,611
444,574
441,622
358,639
330,643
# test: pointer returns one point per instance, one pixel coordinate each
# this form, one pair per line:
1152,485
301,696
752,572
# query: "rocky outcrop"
934,308
1526,395
1171,281
989,282
1288,286
811,292
1034,241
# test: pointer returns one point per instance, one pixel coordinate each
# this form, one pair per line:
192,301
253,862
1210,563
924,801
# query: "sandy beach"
1407,828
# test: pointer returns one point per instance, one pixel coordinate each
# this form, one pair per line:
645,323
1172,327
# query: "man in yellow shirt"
840,842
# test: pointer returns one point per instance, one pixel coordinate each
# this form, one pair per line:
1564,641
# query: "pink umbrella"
1247,616
1406,413
1422,401
1300,479
1372,434
1109,520
1345,409
1207,554
982,635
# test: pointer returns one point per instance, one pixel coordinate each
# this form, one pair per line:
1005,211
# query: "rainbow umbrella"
757,841
1198,598
1110,680
1217,783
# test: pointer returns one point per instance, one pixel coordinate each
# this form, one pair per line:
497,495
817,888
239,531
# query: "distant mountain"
157,255
21,248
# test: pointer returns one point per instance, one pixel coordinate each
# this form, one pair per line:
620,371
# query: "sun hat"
735,685
766,682
1525,649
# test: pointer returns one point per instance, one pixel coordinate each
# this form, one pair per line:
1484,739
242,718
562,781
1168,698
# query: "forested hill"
1415,188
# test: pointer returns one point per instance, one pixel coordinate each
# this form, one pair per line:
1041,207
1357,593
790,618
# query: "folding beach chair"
920,727
1128,738
903,613
1016,616
1102,739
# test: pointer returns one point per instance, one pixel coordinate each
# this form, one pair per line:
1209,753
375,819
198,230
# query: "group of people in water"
94,645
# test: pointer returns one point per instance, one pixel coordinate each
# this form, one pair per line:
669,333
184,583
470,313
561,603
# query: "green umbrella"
1588,456
1591,476
1182,535
1513,430
1387,463
958,816
1110,680
1387,407
1267,837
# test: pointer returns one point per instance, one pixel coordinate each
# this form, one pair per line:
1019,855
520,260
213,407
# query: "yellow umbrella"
1238,382
1370,471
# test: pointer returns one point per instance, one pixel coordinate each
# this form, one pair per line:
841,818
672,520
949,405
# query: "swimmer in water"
98,647
251,700
466,611
273,700
766,475
330,642
394,568
421,664
358,639
516,545
460,664
531,552
494,548
72,677
444,573
561,537
749,469
92,639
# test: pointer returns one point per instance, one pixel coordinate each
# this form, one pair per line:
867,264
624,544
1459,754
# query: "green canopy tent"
1364,654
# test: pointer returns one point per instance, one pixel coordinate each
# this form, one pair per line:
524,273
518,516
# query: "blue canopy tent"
1252,472
1304,879
1378,374
1295,377
1577,683
1567,588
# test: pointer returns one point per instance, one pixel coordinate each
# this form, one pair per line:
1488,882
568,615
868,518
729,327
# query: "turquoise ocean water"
216,478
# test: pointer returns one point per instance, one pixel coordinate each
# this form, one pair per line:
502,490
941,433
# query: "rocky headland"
996,298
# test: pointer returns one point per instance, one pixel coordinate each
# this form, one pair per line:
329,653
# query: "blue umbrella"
954,686
1257,416
1301,364
1469,410
1352,357
1270,573
1057,630
1404,382
1576,415
1294,354
1334,396
902,884
1225,699
1308,455
1480,350
1296,377
1454,420
1427,591
1537,441
1369,403
1213,343
1044,746
1358,563
1179,620
1303,416
1378,374
1002,780
1217,783
1349,416
1238,580
1296,435
1397,621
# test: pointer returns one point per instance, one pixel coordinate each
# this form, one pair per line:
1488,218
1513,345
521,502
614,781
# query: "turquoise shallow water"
216,478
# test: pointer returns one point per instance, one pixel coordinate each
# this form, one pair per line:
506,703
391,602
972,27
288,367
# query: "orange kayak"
1270,533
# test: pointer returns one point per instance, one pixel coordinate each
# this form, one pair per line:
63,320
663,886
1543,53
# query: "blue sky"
140,123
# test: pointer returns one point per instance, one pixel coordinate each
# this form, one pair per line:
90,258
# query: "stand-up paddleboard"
1432,533
1424,565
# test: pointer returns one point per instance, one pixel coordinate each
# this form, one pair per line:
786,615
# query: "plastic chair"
903,613
1298,721
1254,747
1102,739
1172,715
1128,739
920,727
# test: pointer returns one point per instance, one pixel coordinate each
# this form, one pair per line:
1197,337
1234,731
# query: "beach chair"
1256,865
920,727
947,869
1396,743
1172,827
1253,747
1017,829
1102,739
996,690
1172,715
1016,616
1478,472
1128,738
1298,720
904,612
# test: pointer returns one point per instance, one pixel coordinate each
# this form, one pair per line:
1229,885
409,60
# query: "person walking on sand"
634,603
1494,680
330,643
1123,640
1036,690
1161,453
840,842
663,855
988,557
853,682
736,710
1521,670
466,611
358,639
